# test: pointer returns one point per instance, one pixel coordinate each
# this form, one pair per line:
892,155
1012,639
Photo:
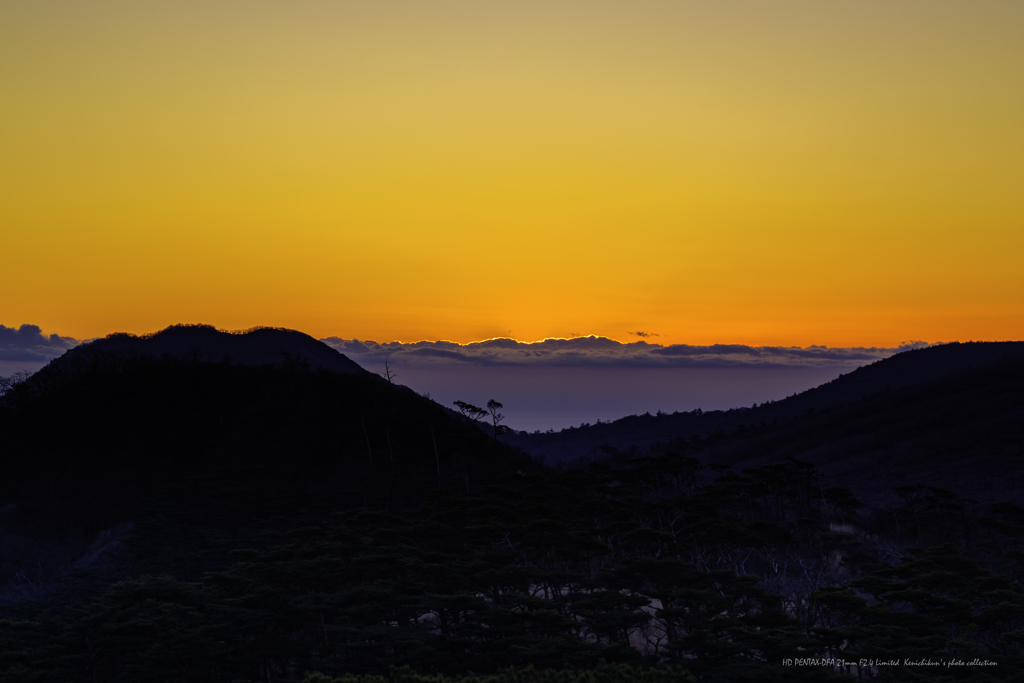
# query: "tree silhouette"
469,411
389,374
493,407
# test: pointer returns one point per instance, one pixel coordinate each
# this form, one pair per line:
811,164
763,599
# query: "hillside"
643,431
963,432
172,518
200,453
257,346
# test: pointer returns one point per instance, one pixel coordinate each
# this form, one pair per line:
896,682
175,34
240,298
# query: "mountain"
197,456
176,516
256,346
644,431
962,432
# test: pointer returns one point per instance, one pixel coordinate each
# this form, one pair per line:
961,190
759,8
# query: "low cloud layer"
603,352
28,344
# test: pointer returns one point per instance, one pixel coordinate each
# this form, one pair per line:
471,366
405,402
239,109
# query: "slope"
963,432
643,431
197,457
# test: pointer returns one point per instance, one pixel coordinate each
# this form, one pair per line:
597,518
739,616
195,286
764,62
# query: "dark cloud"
641,333
437,353
28,344
604,352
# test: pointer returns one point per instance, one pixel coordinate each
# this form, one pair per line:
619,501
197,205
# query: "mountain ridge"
263,522
643,431
254,346
960,432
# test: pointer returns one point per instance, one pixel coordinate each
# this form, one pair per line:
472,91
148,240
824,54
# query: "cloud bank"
28,344
604,352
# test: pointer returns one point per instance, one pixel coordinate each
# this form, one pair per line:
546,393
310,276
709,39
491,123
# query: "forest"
174,519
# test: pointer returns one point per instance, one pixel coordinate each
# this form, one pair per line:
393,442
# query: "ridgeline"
209,511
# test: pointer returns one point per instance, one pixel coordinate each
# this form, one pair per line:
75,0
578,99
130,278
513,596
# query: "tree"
389,374
12,382
493,407
471,412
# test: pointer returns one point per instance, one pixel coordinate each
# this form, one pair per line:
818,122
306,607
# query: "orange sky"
841,173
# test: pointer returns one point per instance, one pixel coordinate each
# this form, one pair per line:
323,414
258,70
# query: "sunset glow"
787,173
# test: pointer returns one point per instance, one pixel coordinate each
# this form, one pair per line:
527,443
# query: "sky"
843,173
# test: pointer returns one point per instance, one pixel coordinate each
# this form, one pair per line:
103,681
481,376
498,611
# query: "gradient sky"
842,173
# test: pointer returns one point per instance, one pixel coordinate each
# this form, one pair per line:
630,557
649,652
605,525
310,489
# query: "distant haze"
554,398
559,383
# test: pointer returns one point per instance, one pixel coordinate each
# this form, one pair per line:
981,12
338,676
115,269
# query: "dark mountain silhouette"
209,451
256,346
643,431
181,517
963,432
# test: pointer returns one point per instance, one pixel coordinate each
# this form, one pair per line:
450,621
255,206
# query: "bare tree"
11,382
389,374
